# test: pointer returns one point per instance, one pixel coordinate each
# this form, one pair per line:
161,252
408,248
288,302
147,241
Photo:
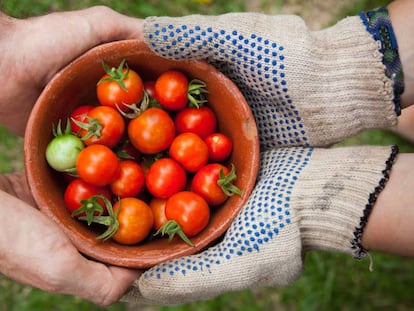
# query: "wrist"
338,192
401,17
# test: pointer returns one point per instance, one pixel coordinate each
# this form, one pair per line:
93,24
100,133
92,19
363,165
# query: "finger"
101,284
83,30
109,25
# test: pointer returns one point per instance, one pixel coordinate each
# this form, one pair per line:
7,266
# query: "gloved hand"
305,199
305,88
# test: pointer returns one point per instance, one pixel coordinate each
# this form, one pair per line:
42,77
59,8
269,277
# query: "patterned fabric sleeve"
378,23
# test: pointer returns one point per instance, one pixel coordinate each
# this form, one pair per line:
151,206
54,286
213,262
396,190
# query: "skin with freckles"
33,250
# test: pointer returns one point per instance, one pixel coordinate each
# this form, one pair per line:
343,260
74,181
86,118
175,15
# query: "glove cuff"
350,92
379,25
336,194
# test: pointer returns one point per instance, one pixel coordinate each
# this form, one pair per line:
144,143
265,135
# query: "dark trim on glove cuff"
358,250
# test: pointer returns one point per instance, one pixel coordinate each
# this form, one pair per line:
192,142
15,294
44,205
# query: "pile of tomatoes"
147,158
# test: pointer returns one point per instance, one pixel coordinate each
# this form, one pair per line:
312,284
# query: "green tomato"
63,150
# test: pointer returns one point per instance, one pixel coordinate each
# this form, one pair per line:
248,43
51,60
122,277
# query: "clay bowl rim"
142,256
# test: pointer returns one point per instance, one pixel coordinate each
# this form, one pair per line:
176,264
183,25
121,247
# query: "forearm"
10,83
390,226
401,12
4,33
6,24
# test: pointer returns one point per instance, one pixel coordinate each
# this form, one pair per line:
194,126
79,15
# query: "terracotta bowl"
74,86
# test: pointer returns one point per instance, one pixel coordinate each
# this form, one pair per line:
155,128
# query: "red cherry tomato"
205,183
201,121
165,177
151,132
78,190
157,206
219,147
149,87
171,89
104,125
190,151
97,165
135,221
79,114
120,87
189,210
129,181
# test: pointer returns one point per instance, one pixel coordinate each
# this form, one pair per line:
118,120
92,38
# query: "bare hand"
34,251
34,49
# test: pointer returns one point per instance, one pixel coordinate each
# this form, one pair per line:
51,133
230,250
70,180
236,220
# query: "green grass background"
329,281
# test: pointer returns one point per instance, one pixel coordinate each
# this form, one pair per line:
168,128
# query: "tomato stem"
90,207
93,127
117,75
196,93
135,111
171,227
110,221
226,182
58,130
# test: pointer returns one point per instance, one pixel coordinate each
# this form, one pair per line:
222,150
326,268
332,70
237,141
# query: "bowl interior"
74,86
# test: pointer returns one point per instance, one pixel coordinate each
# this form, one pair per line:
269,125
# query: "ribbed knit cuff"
378,23
336,193
344,89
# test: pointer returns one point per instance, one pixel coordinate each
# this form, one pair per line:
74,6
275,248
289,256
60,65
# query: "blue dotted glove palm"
305,88
304,199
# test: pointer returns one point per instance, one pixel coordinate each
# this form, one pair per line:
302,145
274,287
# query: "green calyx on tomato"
120,88
171,227
187,213
226,182
102,125
117,75
110,221
63,150
92,127
134,110
196,93
89,209
129,220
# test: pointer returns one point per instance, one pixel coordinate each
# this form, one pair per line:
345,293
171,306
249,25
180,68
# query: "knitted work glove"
305,199
305,88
